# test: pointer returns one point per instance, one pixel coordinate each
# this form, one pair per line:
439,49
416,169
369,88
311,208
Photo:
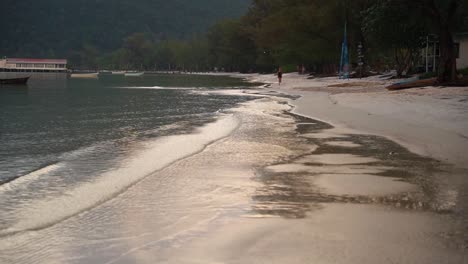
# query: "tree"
67,25
138,49
444,17
89,56
397,29
297,32
230,47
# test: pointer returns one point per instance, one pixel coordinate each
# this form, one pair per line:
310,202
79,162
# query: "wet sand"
333,233
392,211
430,121
281,188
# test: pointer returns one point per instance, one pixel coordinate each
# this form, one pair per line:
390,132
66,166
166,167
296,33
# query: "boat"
118,73
22,80
134,74
105,73
412,83
94,75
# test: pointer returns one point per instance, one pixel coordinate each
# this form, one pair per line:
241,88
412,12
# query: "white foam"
23,181
79,152
265,107
233,92
156,88
156,155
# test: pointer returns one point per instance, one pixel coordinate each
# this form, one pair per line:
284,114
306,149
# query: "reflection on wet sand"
349,168
265,194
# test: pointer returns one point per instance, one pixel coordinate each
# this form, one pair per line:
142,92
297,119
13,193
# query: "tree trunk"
443,21
447,61
404,59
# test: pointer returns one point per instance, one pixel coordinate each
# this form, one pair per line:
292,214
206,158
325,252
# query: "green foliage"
392,26
297,32
289,68
32,28
176,35
443,17
464,72
230,47
396,30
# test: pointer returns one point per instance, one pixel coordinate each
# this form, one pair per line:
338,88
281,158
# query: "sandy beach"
234,132
384,180
430,121
302,173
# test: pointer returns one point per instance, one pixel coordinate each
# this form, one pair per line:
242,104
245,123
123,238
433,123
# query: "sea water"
72,144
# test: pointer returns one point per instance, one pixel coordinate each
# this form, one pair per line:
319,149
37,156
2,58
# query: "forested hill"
57,27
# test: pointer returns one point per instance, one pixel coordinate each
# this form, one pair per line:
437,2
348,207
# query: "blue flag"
344,63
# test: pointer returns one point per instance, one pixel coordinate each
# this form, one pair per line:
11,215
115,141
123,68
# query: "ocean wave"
156,155
23,181
79,152
157,88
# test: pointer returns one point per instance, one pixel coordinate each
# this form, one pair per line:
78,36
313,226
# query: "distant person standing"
280,75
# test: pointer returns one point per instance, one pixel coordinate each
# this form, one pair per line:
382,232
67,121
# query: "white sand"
432,121
193,211
343,233
336,234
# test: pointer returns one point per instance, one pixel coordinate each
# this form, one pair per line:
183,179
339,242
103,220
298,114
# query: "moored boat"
118,73
94,75
105,72
412,83
22,80
134,74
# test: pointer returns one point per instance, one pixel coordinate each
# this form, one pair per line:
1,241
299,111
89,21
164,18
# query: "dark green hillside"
56,27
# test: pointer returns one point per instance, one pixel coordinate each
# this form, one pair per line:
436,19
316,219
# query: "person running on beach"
280,75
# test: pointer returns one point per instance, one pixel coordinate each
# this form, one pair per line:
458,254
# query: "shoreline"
280,188
165,151
431,121
316,205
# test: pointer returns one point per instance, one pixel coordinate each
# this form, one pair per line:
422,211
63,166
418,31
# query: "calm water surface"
56,120
57,133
